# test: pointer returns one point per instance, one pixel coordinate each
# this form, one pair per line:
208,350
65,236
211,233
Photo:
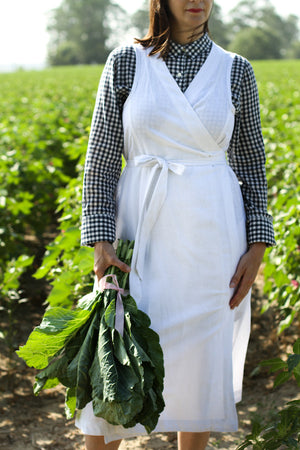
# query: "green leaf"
297,374
86,356
286,323
89,301
293,362
282,378
24,261
44,383
70,402
296,347
117,413
60,294
150,414
138,350
71,374
96,377
70,238
118,380
13,271
149,340
110,314
46,340
107,363
141,319
49,377
130,306
50,260
119,348
292,443
244,445
274,364
295,403
84,258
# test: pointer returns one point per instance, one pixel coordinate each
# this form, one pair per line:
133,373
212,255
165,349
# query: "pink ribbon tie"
103,284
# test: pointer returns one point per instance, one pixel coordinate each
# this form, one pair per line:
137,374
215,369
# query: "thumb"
121,265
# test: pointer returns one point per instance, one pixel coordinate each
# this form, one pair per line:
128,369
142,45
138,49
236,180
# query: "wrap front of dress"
181,202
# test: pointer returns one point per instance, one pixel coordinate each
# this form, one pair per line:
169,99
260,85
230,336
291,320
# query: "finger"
100,267
236,279
240,293
113,260
122,266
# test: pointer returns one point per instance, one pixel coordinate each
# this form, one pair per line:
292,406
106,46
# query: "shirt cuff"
260,229
97,228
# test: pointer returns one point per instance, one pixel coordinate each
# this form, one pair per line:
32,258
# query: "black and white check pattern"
246,153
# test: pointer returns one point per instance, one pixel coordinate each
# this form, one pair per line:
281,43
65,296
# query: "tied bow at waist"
155,196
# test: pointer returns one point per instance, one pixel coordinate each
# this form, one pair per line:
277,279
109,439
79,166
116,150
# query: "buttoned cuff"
96,228
260,229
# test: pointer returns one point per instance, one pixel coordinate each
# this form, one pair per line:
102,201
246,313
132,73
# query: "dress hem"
164,427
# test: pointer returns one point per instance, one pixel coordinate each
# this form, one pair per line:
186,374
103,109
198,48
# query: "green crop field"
280,111
44,125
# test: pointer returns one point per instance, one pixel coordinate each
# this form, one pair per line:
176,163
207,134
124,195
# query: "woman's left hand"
246,272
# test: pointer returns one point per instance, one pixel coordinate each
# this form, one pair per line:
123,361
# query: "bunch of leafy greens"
80,348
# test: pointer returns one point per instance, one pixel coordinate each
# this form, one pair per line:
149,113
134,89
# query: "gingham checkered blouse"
246,154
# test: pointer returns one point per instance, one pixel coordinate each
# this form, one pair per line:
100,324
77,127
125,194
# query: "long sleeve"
104,155
246,156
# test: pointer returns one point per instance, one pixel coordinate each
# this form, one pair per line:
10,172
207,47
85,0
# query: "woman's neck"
184,37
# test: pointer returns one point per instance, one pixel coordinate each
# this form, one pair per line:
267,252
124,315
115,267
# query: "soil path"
28,422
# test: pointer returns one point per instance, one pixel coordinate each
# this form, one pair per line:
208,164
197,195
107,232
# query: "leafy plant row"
281,128
281,121
284,430
44,122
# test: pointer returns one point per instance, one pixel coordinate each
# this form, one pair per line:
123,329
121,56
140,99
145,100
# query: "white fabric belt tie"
156,194
154,199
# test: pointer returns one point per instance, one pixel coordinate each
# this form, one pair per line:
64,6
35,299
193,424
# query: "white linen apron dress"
182,203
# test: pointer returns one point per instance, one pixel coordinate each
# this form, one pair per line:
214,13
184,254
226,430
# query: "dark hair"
159,32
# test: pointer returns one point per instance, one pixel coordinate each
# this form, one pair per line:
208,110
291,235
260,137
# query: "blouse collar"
192,49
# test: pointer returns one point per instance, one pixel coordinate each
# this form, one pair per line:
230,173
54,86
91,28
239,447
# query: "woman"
174,104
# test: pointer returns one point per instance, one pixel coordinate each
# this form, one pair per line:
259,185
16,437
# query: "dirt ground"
28,422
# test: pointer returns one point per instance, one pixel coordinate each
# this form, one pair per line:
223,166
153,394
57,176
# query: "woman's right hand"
104,257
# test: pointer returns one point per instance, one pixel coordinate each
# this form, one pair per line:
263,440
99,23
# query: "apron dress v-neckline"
195,126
